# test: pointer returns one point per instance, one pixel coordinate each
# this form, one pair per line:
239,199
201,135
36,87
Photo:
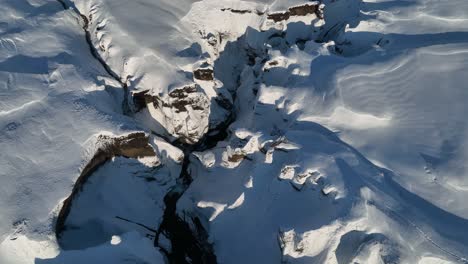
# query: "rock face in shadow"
134,145
204,74
139,100
186,241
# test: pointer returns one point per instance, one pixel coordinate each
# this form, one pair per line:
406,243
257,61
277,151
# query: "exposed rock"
186,97
184,112
301,10
139,100
245,11
204,74
236,157
280,16
273,63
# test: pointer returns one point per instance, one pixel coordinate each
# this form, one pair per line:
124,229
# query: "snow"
132,248
49,113
120,189
348,141
414,89
374,93
55,100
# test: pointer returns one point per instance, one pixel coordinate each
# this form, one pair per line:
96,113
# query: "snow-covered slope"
282,178
410,95
269,131
56,101
156,56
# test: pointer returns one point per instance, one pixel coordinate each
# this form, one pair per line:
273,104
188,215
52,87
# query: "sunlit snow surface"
351,151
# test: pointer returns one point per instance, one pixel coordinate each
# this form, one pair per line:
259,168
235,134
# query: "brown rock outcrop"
302,10
204,74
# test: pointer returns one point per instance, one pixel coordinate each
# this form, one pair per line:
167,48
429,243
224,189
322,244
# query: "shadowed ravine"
189,241
181,236
185,242
68,5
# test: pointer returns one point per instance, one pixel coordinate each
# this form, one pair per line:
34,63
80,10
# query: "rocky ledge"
133,145
301,10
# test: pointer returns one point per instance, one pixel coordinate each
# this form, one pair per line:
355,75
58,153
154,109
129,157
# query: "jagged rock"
183,98
301,10
204,74
184,112
280,16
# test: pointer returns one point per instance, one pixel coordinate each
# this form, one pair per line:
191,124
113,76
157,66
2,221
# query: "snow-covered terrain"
228,131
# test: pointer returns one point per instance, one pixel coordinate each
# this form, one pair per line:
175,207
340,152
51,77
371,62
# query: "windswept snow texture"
55,99
392,86
346,130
